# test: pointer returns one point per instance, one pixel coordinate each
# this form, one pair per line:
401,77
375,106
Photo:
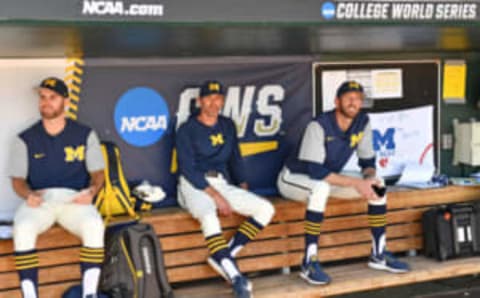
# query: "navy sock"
26,263
247,231
377,220
313,222
90,258
220,252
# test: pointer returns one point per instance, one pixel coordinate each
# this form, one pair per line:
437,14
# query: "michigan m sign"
386,140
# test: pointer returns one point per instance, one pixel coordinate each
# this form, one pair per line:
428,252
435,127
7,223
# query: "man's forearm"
21,187
96,181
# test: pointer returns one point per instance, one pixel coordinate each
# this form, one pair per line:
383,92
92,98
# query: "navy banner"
138,104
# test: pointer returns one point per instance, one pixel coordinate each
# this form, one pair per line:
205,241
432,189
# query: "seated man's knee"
319,196
210,224
24,235
265,212
93,231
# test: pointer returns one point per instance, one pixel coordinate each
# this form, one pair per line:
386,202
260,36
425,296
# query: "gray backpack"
134,266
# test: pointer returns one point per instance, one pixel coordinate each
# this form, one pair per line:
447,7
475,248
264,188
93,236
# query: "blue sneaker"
240,287
219,269
388,262
313,273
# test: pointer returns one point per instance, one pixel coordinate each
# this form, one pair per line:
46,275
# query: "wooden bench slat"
200,255
357,221
329,254
396,200
47,240
197,240
203,271
46,258
45,276
50,291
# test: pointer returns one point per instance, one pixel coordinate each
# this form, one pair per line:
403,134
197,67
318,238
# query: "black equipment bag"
451,231
134,265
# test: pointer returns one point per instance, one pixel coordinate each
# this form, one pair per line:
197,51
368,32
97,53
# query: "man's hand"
84,197
364,187
34,199
244,185
223,206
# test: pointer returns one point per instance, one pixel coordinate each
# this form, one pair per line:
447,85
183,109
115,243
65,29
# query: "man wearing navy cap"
212,179
313,172
56,166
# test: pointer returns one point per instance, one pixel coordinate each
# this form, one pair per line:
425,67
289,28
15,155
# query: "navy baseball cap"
56,85
211,87
349,86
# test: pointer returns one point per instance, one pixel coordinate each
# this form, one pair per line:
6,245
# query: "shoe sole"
385,268
220,271
311,281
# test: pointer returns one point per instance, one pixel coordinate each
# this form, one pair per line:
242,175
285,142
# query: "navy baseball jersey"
62,160
325,148
203,148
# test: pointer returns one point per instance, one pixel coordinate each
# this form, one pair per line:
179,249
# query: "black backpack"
451,231
134,266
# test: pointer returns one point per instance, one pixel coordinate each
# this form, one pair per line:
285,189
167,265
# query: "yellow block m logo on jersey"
74,154
217,139
355,139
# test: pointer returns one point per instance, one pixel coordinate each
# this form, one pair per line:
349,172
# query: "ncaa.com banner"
139,104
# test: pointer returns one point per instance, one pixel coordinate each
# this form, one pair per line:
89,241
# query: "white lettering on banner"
239,112
277,93
143,123
359,11
406,10
454,11
238,106
102,8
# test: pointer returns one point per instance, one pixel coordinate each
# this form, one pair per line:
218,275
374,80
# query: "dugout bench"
345,236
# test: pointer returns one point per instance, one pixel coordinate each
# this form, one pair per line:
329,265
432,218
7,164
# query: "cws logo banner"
400,138
400,11
140,104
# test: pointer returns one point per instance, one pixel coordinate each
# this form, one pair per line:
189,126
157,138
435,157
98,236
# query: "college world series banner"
138,104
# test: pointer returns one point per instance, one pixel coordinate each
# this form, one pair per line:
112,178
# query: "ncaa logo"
328,10
141,116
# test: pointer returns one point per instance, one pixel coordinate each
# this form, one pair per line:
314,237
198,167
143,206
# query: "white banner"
400,137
